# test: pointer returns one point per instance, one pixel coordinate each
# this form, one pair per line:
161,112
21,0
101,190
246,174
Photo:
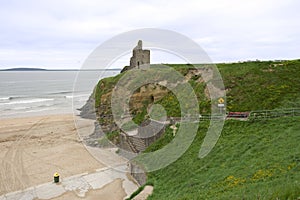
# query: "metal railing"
269,114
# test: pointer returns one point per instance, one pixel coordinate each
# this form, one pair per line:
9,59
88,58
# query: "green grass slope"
259,85
252,160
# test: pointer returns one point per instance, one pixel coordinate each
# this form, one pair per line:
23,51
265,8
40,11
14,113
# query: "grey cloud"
62,33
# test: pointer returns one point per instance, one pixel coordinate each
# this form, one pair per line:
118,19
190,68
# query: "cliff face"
144,97
139,102
88,110
249,86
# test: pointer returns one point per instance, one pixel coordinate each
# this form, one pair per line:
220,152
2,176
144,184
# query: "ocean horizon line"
42,69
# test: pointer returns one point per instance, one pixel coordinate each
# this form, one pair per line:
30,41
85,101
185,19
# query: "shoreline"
37,114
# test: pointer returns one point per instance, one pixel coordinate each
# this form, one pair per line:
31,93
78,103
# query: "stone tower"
139,56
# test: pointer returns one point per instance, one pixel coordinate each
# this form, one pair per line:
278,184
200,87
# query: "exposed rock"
88,110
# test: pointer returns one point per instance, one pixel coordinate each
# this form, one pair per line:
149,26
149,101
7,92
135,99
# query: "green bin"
56,177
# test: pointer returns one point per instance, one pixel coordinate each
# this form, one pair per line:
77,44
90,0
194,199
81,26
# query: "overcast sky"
62,33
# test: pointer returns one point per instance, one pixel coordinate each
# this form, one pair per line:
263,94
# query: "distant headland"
24,69
41,69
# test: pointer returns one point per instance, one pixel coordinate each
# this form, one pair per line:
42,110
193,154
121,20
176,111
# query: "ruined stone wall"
139,57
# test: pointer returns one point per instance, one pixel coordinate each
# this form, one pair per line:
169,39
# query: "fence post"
293,112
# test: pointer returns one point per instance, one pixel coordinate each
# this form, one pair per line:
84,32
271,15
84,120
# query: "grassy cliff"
252,159
257,85
249,86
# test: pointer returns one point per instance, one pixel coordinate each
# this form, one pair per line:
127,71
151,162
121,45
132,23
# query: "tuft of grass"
139,190
141,115
135,193
104,86
113,136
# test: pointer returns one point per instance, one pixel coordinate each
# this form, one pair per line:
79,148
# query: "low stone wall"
138,173
124,143
145,136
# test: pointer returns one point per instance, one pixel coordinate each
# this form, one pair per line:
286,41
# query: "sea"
35,93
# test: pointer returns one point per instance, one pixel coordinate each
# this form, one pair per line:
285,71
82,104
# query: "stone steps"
125,143
138,143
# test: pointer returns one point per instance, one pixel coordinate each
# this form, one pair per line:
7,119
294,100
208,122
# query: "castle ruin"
139,56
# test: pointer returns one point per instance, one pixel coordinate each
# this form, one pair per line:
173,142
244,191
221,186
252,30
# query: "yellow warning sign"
221,100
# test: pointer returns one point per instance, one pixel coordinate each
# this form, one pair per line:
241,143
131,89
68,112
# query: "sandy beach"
32,149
